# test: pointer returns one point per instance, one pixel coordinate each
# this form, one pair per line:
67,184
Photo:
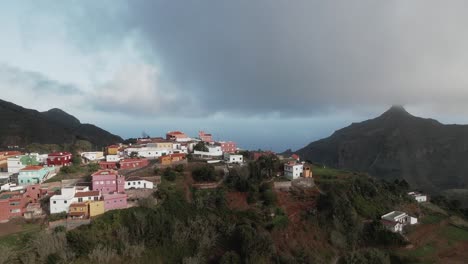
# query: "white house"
112,158
153,152
93,156
138,183
233,158
11,187
61,202
293,170
14,164
418,196
396,220
213,151
85,196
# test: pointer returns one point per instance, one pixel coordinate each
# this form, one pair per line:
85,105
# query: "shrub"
204,174
169,174
179,168
58,216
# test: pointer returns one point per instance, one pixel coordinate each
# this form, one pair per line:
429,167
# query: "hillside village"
45,187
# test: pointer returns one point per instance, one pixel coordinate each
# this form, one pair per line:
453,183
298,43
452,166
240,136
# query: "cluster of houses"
107,193
18,169
174,147
395,221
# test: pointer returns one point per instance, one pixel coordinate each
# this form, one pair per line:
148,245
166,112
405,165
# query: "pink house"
13,204
228,146
115,201
205,137
108,181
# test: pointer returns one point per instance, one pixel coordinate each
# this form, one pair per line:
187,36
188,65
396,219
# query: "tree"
204,174
83,146
169,174
200,146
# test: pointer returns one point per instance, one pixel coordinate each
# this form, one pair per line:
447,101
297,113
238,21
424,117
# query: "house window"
134,183
80,200
65,201
95,198
55,202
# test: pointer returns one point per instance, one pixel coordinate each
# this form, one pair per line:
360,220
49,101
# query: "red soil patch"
456,254
425,233
299,233
237,201
293,206
10,228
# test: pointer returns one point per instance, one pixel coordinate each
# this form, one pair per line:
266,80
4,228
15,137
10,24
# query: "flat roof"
394,214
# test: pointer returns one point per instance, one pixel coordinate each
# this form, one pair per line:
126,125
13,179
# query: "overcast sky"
267,74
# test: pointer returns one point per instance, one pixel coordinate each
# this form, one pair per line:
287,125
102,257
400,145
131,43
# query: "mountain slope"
21,126
429,155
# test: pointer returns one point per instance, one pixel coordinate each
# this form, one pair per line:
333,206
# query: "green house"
34,174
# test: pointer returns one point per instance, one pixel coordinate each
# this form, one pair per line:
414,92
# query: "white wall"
153,152
233,158
293,171
138,184
112,158
14,165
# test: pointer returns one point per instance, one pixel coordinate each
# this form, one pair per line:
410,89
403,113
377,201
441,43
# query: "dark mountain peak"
62,117
22,126
396,110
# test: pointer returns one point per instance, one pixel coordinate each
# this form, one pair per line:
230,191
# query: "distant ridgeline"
21,127
397,145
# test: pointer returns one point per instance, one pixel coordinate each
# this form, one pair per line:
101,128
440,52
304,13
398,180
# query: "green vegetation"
206,173
169,174
453,233
434,218
345,205
200,146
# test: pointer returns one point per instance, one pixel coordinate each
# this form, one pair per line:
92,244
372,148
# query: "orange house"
177,156
79,210
307,172
165,160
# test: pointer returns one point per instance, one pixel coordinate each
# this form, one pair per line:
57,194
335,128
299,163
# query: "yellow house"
165,160
164,145
95,208
112,150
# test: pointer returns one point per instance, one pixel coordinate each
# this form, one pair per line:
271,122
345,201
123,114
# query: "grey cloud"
299,57
33,82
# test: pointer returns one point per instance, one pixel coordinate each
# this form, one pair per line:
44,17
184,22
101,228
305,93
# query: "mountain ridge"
22,126
395,145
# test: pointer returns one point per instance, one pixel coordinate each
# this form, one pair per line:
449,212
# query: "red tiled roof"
131,160
78,205
32,168
86,194
59,154
113,146
295,156
105,172
178,155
